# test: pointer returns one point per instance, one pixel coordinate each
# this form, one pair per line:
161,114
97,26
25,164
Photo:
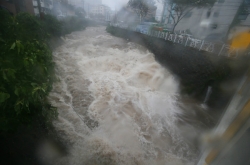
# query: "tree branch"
187,12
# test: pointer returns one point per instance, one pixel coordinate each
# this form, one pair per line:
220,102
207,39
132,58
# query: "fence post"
187,41
159,33
175,35
162,34
166,37
201,45
221,49
171,37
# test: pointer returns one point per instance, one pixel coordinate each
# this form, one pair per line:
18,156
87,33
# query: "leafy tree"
141,7
80,12
72,23
27,68
26,71
180,8
52,25
126,15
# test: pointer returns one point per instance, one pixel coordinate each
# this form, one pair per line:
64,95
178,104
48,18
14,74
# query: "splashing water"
117,105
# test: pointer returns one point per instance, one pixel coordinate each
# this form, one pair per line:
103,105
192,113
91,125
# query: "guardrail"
187,40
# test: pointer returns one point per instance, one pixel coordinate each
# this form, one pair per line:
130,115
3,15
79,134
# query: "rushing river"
118,106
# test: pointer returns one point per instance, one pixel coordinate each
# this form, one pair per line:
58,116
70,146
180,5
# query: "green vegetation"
72,23
27,68
116,32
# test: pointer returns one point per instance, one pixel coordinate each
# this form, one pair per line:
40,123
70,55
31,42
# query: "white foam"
116,105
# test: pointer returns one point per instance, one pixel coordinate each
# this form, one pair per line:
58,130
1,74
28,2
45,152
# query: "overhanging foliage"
26,69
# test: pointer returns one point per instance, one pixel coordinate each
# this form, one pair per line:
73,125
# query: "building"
30,6
102,11
63,8
55,7
90,4
244,18
165,12
209,23
76,3
10,7
17,6
46,6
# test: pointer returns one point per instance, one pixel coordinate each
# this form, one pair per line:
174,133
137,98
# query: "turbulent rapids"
118,106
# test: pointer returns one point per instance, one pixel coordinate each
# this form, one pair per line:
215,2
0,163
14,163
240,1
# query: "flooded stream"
118,106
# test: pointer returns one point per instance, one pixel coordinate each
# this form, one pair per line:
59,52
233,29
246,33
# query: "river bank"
196,70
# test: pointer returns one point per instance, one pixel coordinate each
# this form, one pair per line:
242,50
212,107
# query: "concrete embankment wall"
196,70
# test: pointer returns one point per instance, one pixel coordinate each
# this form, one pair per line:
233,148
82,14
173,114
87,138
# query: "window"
216,14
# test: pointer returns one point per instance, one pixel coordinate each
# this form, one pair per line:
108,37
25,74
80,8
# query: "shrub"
28,27
72,23
26,66
26,71
52,25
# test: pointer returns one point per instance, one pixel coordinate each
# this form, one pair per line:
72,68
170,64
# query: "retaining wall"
196,70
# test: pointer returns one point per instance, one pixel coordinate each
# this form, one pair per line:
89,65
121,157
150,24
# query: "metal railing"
220,49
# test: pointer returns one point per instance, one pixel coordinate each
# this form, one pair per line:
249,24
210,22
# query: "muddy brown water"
117,105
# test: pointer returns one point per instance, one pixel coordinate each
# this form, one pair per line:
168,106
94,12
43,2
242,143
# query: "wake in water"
118,106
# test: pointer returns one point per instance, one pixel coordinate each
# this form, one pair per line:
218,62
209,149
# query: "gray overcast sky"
115,4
